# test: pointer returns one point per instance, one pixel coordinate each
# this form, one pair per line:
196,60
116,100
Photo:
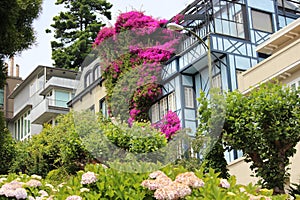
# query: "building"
232,30
283,64
90,93
39,99
12,81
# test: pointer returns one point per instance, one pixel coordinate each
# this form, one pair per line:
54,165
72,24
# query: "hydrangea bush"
99,182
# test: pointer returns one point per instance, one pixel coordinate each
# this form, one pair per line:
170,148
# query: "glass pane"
262,21
1,97
61,98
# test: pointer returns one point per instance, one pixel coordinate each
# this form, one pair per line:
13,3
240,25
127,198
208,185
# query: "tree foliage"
265,124
16,32
208,139
7,147
75,29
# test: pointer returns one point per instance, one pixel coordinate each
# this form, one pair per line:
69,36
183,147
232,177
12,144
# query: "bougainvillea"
132,53
169,125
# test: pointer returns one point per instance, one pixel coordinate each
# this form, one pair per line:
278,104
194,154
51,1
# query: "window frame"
263,29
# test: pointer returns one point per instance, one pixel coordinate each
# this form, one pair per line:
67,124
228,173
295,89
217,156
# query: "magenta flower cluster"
105,33
142,45
169,125
137,20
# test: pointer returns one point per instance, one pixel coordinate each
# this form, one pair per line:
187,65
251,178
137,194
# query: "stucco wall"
90,99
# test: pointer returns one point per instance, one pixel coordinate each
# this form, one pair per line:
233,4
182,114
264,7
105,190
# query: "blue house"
234,29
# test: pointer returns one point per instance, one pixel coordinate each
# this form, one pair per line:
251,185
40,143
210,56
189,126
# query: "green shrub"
7,147
54,147
140,138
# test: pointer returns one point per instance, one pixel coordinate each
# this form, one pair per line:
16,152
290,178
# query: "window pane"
163,107
1,97
216,81
155,113
262,21
171,102
61,98
189,97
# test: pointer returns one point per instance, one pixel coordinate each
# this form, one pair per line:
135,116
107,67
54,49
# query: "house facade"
12,81
232,31
39,99
283,64
90,93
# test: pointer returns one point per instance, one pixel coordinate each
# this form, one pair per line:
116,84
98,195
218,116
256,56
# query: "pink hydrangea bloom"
224,183
88,178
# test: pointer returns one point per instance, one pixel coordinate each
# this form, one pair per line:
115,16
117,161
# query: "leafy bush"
99,182
141,137
54,147
7,147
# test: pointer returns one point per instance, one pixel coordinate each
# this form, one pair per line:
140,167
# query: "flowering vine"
132,53
169,125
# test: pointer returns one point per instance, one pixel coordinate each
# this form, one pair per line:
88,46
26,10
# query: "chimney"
12,63
17,70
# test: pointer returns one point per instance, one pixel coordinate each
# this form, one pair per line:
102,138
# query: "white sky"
40,53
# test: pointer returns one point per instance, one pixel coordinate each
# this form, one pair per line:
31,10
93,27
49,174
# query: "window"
103,107
216,81
88,79
22,127
1,97
155,113
171,102
163,106
61,98
32,88
160,109
229,18
295,84
189,97
97,72
262,21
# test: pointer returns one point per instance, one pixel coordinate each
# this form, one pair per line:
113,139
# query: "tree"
208,139
7,147
16,33
265,124
75,30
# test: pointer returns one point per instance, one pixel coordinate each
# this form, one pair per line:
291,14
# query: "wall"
90,99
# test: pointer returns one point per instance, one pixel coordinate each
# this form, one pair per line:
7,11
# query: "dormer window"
97,72
88,79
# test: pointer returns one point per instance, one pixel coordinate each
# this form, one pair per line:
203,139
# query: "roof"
280,38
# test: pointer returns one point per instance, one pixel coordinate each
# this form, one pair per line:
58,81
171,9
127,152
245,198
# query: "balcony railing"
61,82
47,109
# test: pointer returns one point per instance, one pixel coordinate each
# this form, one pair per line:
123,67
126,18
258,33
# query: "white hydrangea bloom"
74,197
34,183
20,193
88,178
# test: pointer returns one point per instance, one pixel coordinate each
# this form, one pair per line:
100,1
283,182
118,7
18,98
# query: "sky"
40,52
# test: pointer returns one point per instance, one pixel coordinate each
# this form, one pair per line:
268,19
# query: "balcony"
57,82
48,109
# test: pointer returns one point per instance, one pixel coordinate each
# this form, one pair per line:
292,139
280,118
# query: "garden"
124,156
